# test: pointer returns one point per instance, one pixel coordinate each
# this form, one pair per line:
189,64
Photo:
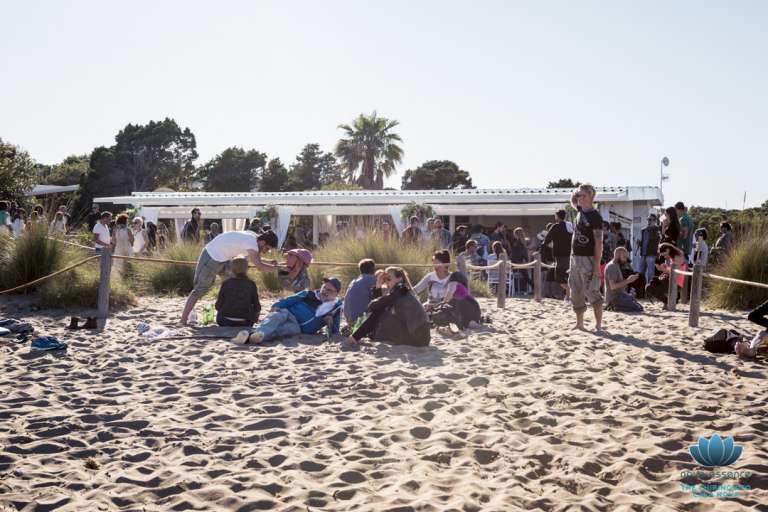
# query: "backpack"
723,341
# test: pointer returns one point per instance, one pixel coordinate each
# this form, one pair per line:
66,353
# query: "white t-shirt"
437,287
103,232
232,244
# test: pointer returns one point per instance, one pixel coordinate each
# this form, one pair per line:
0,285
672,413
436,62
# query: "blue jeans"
278,324
647,266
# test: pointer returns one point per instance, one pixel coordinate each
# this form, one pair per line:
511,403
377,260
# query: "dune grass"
28,257
80,288
165,278
747,261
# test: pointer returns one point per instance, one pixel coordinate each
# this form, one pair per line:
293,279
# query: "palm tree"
370,150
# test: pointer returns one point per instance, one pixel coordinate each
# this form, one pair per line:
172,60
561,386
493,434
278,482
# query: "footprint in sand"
421,432
476,382
352,477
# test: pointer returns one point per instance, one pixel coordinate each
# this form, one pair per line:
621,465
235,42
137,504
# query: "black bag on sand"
723,341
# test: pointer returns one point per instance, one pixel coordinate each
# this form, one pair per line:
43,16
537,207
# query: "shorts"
205,273
562,264
585,287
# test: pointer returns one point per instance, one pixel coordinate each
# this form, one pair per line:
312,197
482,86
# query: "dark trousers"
368,327
658,289
758,315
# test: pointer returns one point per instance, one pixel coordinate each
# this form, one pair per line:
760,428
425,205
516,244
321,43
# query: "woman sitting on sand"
459,308
436,282
659,286
294,275
395,314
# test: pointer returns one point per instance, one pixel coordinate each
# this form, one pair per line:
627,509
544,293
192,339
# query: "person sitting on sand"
305,312
758,316
294,276
395,314
238,302
360,292
616,296
435,283
658,288
459,307
216,256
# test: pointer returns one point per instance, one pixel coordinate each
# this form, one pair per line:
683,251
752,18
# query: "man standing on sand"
560,238
219,252
586,253
191,231
685,242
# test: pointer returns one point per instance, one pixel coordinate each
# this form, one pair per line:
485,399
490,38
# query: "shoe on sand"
74,323
255,337
241,338
90,323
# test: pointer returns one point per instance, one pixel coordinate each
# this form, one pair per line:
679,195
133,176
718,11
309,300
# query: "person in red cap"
294,276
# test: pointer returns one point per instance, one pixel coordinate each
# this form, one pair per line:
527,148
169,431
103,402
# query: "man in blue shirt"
359,292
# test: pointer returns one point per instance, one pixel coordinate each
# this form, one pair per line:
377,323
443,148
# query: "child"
238,301
295,277
305,312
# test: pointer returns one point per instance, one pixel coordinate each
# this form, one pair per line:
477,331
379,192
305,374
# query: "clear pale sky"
517,93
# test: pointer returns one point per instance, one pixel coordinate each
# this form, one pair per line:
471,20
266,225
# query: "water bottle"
192,318
207,315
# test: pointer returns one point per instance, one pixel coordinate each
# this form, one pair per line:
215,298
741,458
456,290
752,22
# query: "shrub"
167,278
80,288
29,257
747,261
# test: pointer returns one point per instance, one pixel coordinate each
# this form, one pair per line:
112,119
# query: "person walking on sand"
586,253
217,254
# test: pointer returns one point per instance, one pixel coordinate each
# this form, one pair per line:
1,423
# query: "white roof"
42,190
362,197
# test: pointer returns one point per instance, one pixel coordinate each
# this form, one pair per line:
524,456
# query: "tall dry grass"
167,278
748,261
28,257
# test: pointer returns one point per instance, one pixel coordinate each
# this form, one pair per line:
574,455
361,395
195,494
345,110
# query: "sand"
524,415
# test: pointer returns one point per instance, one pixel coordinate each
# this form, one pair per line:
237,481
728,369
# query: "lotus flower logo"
715,451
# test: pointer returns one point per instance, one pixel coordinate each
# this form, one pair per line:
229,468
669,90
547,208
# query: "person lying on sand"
758,316
395,314
305,312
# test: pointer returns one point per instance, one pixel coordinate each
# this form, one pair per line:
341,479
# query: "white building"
531,209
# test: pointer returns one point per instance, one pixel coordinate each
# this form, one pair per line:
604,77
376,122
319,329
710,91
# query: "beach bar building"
529,208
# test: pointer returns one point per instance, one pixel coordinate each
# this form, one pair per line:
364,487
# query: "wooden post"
104,285
695,307
537,283
685,294
672,293
501,286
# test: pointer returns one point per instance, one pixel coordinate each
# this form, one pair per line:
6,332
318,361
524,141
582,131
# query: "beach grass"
748,261
28,257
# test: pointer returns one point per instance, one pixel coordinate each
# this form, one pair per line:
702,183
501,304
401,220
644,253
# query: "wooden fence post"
695,307
672,293
685,294
104,286
501,286
537,283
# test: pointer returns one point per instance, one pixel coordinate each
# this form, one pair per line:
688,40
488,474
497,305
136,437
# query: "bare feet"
579,327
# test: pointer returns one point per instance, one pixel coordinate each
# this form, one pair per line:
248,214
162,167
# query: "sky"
517,93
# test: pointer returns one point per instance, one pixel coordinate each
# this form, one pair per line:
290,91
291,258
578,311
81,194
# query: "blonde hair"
400,273
588,189
240,266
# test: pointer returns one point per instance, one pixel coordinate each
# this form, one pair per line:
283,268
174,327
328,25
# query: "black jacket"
403,319
561,240
239,298
654,234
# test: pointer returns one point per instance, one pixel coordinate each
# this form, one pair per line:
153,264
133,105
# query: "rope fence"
502,266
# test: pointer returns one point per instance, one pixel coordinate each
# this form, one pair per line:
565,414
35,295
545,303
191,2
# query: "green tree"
233,170
436,175
563,183
313,169
275,177
370,150
18,172
69,171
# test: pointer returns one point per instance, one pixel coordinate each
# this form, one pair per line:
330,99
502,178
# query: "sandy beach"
525,414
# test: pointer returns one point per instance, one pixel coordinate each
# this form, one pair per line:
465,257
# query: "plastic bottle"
192,317
207,315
